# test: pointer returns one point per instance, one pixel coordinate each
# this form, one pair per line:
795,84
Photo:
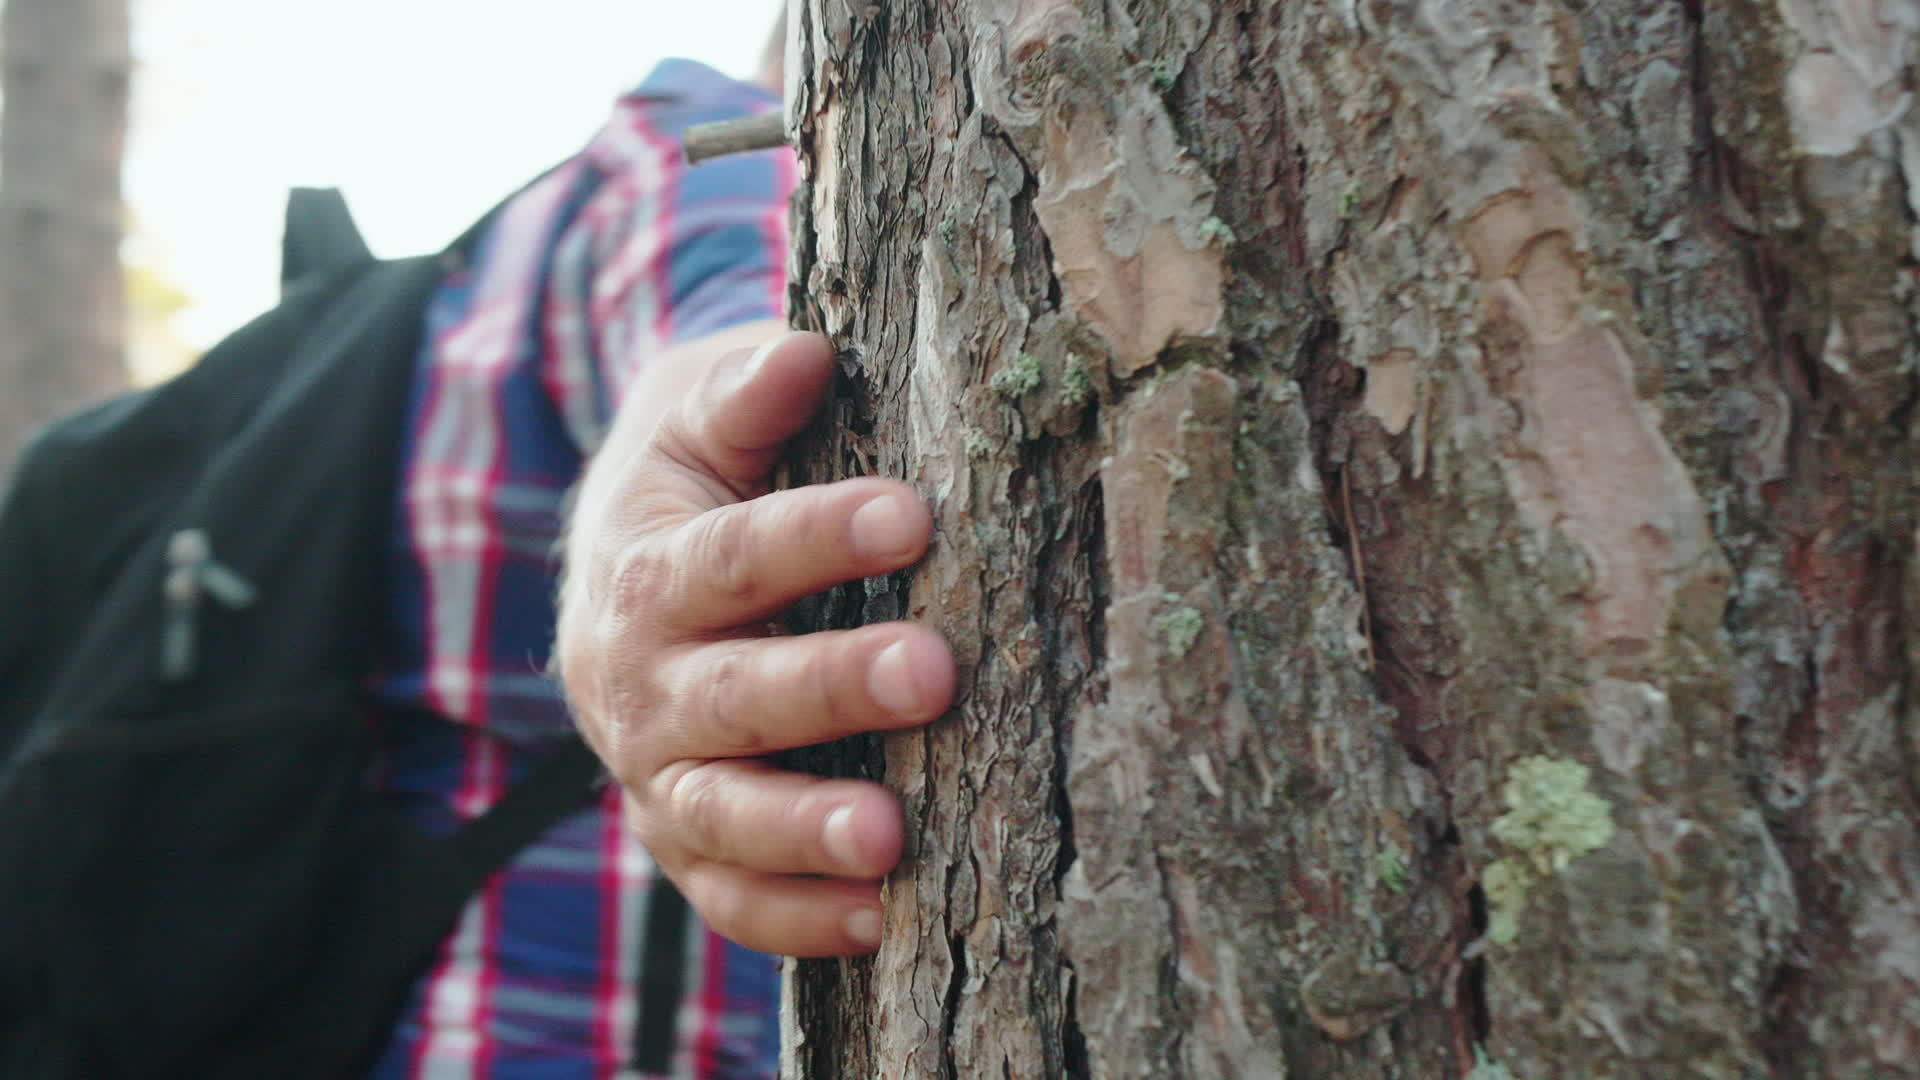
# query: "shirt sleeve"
660,254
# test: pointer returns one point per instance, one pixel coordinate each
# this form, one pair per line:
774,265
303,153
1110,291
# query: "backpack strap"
662,979
554,787
550,790
402,940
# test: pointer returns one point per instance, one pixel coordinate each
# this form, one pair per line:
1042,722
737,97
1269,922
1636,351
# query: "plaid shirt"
580,279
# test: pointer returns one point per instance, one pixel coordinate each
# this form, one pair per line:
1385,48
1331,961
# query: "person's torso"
527,350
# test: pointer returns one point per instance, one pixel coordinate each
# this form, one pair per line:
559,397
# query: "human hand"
676,560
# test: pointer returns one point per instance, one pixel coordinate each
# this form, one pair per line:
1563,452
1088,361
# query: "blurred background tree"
65,66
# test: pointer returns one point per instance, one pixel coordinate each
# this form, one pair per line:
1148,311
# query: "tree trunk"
64,71
1426,501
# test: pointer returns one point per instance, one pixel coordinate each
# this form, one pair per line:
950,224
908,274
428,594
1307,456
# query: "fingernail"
884,528
890,681
840,841
863,926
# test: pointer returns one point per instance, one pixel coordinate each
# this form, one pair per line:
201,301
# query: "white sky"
425,112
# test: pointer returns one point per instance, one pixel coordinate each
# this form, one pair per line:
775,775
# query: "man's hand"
677,560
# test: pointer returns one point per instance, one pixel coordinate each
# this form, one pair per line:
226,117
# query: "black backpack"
194,881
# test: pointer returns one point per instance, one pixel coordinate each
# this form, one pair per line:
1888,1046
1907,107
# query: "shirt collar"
691,79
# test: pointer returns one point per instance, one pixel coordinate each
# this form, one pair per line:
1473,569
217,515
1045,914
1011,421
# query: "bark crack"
957,975
1473,969
1170,971
950,1007
1333,389
1075,1062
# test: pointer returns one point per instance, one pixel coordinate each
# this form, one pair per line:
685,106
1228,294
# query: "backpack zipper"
193,572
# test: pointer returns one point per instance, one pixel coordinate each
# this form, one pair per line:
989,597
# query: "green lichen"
1551,817
1179,629
1551,820
1392,868
978,445
1506,889
1020,378
1218,232
1076,384
1485,1068
1163,75
1350,200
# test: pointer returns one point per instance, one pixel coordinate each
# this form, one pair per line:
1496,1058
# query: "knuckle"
674,439
701,811
825,677
609,681
645,825
674,435
839,681
643,578
611,732
726,553
728,722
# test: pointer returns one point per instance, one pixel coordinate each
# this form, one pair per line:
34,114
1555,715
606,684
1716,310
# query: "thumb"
734,423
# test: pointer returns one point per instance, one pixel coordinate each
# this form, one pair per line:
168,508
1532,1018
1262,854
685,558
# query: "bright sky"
425,112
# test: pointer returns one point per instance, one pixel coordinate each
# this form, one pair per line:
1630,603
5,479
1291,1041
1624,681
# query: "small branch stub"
762,131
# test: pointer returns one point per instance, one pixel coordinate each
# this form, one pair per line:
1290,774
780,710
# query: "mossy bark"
1328,406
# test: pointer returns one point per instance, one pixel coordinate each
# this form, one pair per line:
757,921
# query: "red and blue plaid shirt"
579,281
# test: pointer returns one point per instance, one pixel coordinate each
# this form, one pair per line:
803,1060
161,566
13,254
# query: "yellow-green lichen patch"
1551,819
1076,385
1019,378
1179,629
1392,868
1506,887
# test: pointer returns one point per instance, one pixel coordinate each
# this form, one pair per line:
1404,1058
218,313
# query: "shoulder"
648,122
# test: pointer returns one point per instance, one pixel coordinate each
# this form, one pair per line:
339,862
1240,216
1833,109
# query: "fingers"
747,697
754,816
786,916
733,424
667,560
745,562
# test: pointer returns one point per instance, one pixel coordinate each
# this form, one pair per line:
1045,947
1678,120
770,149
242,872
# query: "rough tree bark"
64,71
1426,504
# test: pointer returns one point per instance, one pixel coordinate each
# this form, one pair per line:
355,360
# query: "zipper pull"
191,574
